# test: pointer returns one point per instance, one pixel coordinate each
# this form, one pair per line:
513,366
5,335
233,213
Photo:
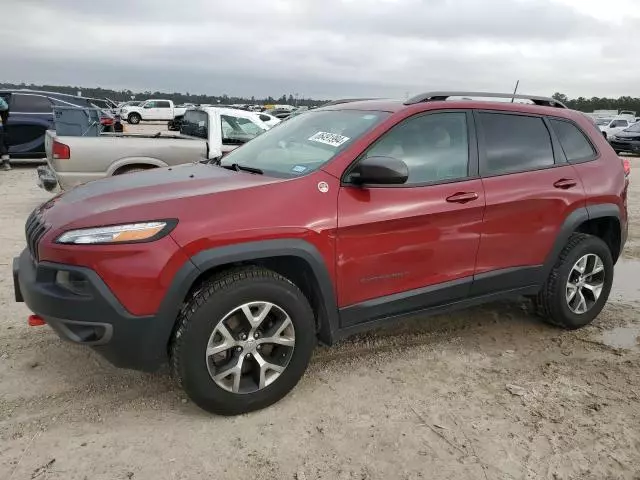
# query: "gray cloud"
324,49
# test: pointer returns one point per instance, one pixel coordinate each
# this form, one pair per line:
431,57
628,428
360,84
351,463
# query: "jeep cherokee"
339,220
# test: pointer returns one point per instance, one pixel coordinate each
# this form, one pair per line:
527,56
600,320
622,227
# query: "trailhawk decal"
332,139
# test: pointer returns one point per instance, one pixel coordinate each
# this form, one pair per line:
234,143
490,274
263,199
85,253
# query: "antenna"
514,91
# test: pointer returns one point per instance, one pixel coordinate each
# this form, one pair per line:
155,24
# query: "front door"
407,247
150,111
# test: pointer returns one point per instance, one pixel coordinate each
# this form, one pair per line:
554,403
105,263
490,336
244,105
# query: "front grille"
34,229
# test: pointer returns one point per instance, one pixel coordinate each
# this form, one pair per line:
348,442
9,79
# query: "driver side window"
434,146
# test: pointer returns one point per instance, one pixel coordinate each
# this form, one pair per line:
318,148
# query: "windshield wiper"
237,168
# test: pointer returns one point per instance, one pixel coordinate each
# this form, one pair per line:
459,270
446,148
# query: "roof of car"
39,92
388,105
435,100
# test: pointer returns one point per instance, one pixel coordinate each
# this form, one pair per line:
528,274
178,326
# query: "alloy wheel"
250,347
585,283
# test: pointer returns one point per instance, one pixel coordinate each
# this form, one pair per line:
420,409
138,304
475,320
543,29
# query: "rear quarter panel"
603,179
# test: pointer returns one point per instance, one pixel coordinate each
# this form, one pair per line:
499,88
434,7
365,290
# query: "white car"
153,109
609,127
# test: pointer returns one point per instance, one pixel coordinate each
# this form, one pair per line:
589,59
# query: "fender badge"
323,187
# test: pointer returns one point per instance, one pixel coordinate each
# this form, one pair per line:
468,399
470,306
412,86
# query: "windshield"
603,121
304,143
238,130
633,128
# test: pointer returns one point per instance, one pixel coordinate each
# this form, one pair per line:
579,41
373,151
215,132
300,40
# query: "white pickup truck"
154,109
77,154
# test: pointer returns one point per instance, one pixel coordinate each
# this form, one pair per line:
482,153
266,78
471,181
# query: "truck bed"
101,156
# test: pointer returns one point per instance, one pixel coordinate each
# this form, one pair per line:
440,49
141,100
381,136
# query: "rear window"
195,123
163,105
514,143
574,143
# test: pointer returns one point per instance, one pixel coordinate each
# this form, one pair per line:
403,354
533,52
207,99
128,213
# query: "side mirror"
379,171
148,105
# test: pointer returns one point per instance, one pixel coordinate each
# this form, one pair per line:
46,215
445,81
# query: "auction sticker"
333,139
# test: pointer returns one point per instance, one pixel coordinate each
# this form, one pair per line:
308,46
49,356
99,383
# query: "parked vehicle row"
206,134
368,212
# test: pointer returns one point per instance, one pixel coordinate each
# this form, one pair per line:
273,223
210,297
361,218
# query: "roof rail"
345,100
440,96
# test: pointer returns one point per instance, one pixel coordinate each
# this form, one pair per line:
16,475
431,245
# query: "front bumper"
629,146
93,317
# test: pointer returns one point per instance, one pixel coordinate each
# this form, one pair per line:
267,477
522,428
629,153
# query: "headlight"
129,233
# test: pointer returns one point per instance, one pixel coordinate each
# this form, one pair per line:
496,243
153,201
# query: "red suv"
339,220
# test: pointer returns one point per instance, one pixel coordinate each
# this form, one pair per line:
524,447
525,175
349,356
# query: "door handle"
462,197
565,183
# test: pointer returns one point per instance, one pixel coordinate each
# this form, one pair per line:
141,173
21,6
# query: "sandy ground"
425,399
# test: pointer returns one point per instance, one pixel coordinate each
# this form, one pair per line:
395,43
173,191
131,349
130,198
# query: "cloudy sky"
324,48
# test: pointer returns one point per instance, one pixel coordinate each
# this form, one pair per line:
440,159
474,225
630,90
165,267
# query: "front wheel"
579,284
243,341
134,118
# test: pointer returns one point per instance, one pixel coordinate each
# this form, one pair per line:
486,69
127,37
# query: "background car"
614,126
627,140
280,113
31,115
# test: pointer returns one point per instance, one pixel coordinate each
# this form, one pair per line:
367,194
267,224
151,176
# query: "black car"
628,140
31,115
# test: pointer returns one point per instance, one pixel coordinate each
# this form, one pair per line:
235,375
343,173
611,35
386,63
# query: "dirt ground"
426,399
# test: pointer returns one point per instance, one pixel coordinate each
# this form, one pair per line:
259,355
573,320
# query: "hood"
154,194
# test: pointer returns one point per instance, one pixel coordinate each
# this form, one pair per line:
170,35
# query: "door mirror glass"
379,171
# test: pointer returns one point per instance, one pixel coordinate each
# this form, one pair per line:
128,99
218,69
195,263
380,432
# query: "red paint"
373,241
36,321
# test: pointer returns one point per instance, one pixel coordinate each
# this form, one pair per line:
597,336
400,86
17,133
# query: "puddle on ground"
622,337
626,281
626,288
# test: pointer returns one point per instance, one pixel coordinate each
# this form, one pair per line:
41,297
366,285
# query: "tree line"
588,105
178,98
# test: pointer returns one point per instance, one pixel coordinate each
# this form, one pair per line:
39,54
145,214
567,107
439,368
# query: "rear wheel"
579,284
134,118
243,341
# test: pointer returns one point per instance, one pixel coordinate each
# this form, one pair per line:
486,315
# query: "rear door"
530,190
163,110
30,116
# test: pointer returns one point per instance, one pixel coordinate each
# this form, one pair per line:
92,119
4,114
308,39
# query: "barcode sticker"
333,139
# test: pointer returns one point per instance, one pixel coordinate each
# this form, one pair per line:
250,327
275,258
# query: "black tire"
134,118
552,302
202,314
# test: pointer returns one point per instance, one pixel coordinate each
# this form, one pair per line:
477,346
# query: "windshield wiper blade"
237,168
